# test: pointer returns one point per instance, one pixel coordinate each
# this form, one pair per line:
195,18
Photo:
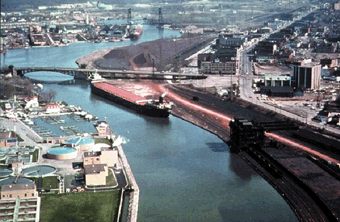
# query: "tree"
48,96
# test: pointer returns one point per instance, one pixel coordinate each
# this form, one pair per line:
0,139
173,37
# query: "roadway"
247,92
112,73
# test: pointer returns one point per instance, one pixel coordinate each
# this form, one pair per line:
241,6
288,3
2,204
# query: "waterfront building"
52,108
106,156
95,174
103,128
31,102
307,76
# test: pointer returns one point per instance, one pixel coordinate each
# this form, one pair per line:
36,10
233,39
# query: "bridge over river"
79,73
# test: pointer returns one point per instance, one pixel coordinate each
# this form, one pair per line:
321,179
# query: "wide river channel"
184,172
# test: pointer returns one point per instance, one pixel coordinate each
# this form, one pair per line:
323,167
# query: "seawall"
133,190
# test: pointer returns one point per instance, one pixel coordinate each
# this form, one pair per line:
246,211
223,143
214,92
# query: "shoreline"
294,190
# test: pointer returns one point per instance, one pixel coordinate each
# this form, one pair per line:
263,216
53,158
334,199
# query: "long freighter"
155,108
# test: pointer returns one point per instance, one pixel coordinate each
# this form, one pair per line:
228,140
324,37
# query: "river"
184,172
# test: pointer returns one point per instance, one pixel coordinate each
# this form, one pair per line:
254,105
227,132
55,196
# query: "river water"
184,173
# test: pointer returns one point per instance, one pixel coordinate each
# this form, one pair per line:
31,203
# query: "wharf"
134,191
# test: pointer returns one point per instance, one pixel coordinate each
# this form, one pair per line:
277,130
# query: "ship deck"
120,92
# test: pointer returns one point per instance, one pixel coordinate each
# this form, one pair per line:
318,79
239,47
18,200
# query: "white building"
31,102
52,108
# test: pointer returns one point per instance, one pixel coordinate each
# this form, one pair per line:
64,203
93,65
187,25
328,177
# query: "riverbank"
159,53
295,188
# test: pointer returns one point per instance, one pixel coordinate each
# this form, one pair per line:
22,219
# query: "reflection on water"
218,147
49,77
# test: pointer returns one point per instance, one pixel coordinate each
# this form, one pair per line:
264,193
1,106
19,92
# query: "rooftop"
9,187
95,168
92,153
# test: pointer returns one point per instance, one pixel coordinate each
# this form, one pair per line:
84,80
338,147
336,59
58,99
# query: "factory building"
13,191
217,67
104,156
95,174
307,76
277,81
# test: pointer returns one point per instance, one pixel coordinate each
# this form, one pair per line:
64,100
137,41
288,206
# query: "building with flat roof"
277,81
95,174
13,191
106,156
103,128
307,76
221,68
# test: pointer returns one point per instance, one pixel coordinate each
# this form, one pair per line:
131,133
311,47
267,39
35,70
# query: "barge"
155,108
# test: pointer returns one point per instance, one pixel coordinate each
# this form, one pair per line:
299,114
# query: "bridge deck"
113,73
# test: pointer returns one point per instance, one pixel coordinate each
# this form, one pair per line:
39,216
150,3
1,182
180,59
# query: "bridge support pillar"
12,70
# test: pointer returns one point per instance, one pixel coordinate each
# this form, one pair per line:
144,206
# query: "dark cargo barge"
155,108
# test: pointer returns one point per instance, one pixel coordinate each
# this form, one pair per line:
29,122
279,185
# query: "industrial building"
95,174
307,76
277,81
19,202
13,191
217,67
106,156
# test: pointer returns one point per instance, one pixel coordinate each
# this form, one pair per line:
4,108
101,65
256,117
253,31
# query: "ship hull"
143,109
136,33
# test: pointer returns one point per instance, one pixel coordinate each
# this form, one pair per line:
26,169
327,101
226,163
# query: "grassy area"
103,140
110,179
49,182
85,206
35,155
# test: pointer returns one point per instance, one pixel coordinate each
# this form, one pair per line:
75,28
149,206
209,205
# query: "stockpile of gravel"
161,51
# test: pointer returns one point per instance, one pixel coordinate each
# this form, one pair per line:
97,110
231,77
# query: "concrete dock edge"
134,192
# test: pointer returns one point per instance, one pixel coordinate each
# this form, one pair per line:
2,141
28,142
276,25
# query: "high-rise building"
307,76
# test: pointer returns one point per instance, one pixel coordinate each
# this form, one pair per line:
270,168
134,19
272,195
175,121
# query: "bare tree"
48,96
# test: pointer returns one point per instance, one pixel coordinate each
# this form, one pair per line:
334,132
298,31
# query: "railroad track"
300,202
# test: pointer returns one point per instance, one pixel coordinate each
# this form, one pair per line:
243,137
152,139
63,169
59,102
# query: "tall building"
307,76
